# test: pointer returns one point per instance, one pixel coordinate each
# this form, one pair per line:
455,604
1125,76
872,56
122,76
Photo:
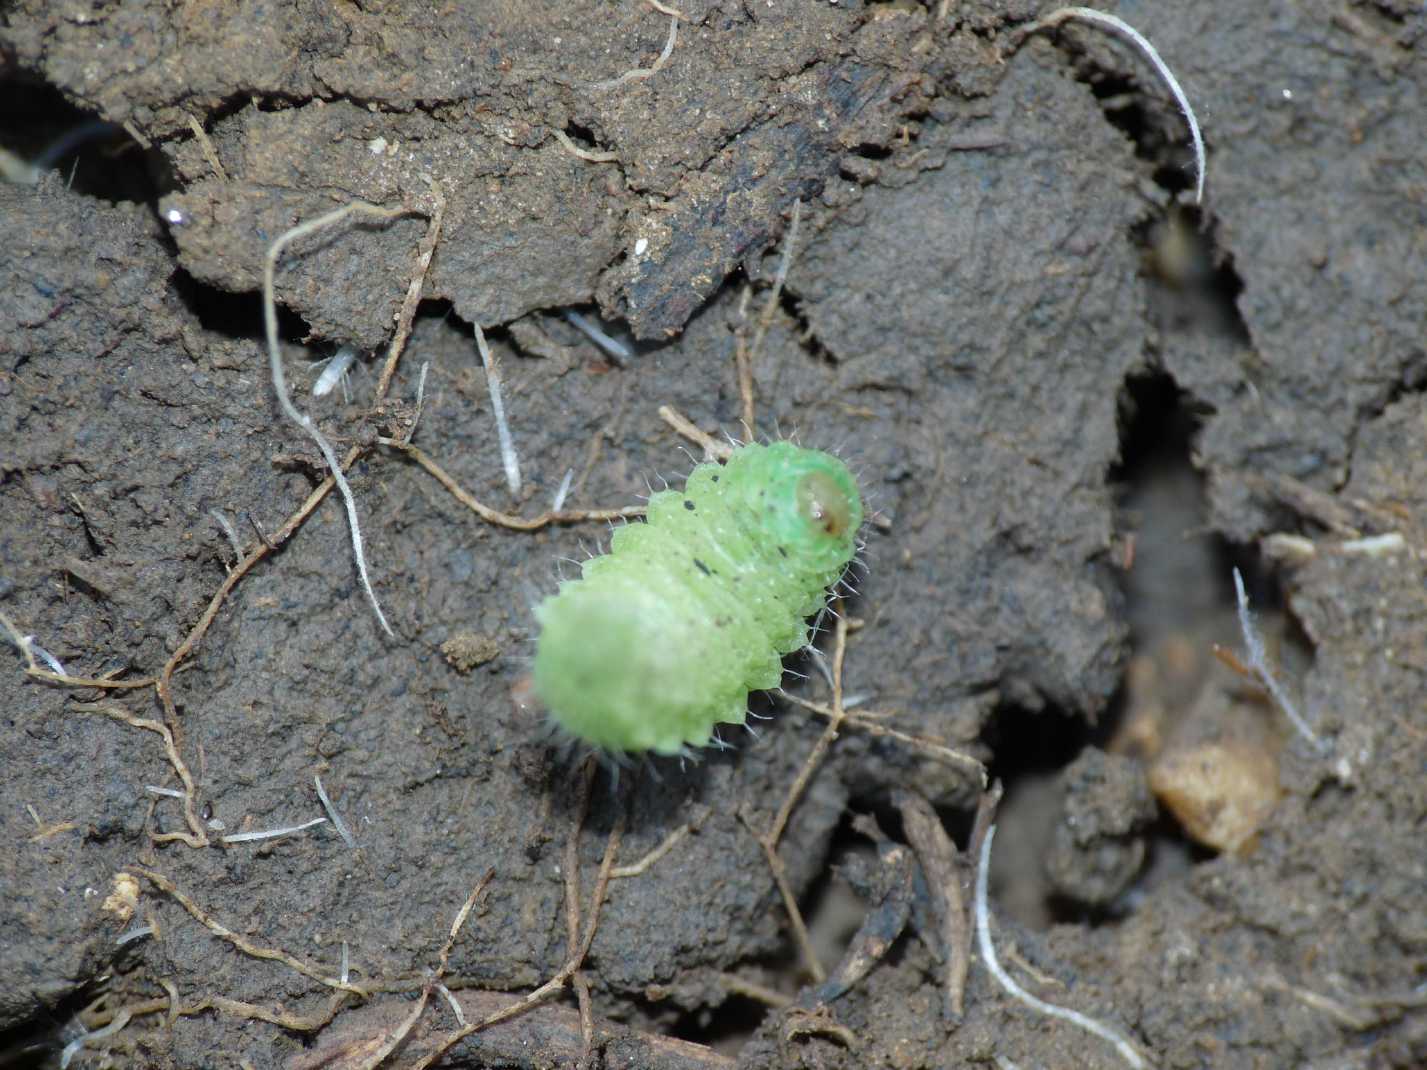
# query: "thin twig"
820,748
273,834
206,147
868,721
242,943
616,350
337,822
72,1048
237,1008
455,1006
572,857
495,516
597,897
279,379
1258,664
44,832
768,841
173,1003
420,400
744,356
262,535
56,666
666,845
988,955
572,898
1356,1018
562,491
195,836
790,245
407,315
713,448
1119,26
740,986
556,982
228,530
508,457
790,902
639,73
602,878
937,855
28,650
460,919
138,135
583,154
100,682
981,824
397,1035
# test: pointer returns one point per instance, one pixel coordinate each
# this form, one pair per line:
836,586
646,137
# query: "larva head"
807,501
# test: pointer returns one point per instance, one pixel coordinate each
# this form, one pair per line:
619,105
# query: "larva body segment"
664,637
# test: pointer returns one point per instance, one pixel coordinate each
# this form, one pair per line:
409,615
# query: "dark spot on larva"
689,505
824,503
782,551
714,478
702,567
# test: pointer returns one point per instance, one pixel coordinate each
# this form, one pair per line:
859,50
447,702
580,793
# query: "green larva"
663,637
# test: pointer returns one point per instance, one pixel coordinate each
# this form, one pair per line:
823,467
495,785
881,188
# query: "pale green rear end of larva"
664,637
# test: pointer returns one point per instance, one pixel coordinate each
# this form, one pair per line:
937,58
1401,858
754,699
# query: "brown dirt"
1000,308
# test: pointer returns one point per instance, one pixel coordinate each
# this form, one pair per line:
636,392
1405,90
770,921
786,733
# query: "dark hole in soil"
1140,106
1193,286
578,133
1123,100
1179,578
96,158
792,307
725,1028
1032,743
872,152
1031,748
1181,586
39,1041
235,315
1180,571
833,910
584,324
